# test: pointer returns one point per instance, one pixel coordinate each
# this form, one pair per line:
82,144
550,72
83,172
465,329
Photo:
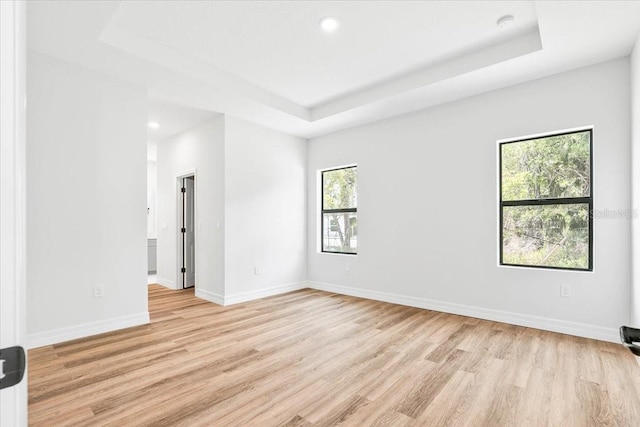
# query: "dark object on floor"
629,337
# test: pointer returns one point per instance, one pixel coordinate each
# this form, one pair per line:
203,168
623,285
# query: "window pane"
547,168
340,189
340,232
546,236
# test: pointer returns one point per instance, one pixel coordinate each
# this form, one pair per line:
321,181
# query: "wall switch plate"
565,290
256,271
347,267
98,291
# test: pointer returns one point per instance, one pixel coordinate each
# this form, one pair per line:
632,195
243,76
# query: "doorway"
186,231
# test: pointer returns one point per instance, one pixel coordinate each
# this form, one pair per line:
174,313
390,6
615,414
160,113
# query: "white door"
189,248
13,400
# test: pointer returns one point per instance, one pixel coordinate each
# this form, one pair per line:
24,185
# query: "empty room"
320,213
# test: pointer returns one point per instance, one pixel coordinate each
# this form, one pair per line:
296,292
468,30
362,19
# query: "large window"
340,210
546,202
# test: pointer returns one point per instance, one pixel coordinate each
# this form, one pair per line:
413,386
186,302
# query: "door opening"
187,232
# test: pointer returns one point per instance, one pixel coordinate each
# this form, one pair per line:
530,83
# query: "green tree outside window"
340,210
546,202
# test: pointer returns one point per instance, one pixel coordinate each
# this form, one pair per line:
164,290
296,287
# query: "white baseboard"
56,336
264,292
250,295
536,322
209,296
166,283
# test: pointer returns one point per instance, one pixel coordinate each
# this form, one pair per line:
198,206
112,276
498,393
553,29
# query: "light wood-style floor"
313,358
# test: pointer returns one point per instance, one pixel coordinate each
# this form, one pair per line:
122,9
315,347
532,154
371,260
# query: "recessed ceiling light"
329,24
153,125
506,21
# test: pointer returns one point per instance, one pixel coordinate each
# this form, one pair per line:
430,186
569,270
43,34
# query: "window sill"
336,253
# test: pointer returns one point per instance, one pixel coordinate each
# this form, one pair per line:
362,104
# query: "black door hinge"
183,270
183,190
183,230
13,362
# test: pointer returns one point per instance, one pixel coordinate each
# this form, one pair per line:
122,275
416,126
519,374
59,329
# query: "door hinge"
183,190
183,230
13,362
183,270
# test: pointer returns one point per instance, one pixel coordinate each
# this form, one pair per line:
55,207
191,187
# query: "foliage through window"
546,202
340,210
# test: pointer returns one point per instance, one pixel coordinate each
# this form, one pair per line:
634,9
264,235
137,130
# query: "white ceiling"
269,62
280,48
173,119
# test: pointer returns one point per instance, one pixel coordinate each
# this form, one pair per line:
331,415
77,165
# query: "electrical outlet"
256,271
98,291
347,267
565,290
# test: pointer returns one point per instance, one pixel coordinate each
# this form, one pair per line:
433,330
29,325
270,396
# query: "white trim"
263,293
85,330
544,134
13,317
331,168
166,282
209,296
249,295
187,173
530,321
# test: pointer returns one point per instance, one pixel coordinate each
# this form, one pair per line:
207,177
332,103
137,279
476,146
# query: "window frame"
547,201
324,211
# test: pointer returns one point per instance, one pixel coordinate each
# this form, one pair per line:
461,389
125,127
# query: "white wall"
152,196
250,208
86,210
200,149
427,213
635,182
265,211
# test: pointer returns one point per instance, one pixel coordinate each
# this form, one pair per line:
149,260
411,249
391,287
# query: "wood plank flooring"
312,358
